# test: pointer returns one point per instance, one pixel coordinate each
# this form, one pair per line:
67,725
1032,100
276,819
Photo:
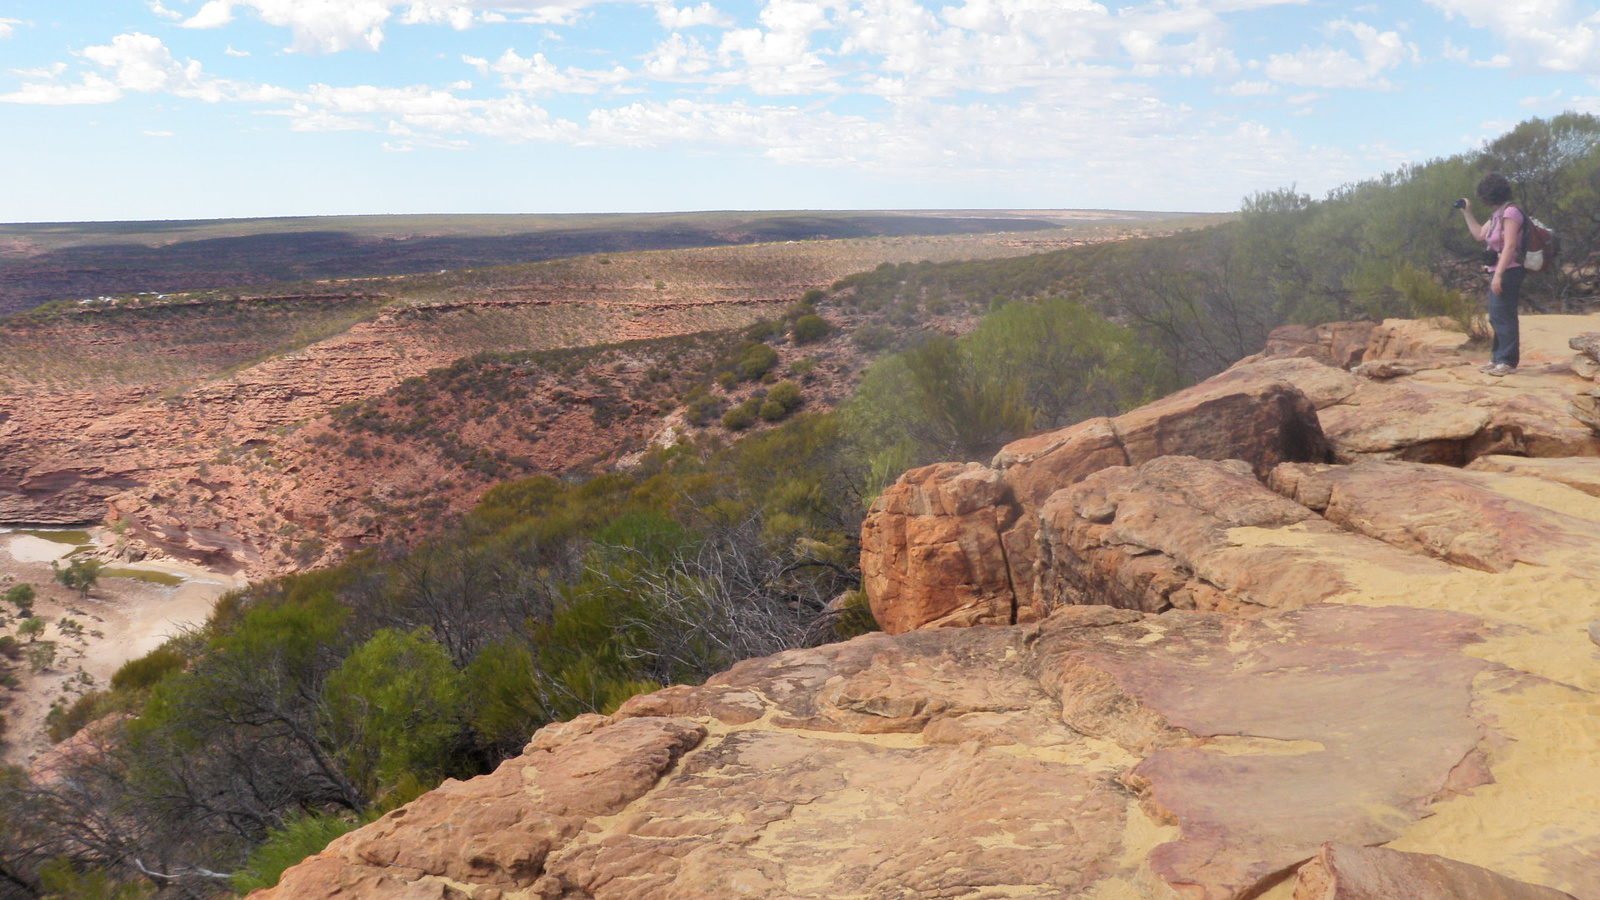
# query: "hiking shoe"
1500,370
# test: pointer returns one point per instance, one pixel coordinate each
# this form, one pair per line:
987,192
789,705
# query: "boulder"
1349,872
1587,344
931,553
1339,344
1163,536
1246,413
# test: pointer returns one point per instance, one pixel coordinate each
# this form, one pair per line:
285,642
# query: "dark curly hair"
1494,189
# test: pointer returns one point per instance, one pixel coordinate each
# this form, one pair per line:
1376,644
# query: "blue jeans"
1503,319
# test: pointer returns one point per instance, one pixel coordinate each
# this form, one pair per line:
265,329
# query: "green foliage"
809,329
21,596
288,845
1431,298
874,337
739,418
62,879
63,721
41,655
754,360
80,575
772,411
392,707
31,628
148,670
855,617
787,395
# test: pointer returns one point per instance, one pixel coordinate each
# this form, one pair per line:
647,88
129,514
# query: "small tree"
81,575
21,596
31,628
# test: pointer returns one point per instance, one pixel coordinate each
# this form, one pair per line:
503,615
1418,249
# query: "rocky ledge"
1295,631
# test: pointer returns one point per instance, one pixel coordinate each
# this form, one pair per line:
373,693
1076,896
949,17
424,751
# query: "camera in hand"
1461,203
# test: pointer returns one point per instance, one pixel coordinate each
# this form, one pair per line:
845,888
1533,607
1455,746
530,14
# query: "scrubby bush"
811,328
21,596
288,845
772,411
755,360
148,670
786,394
873,337
739,418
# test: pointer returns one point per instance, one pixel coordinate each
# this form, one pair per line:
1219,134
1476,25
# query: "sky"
181,109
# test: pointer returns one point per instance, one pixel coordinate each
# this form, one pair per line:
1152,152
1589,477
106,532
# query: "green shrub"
810,329
738,419
874,337
772,411
393,703
62,880
21,596
755,360
727,380
763,329
704,409
148,670
9,648
63,722
288,845
787,395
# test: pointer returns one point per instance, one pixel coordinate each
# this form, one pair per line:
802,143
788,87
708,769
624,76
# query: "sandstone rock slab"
1162,536
1450,514
496,830
1325,721
1348,872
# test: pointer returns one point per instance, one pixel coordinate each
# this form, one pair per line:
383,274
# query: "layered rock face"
1255,640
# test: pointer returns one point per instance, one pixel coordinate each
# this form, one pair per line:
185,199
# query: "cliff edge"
1324,625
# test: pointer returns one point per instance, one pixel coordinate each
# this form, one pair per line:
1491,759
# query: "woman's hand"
1494,284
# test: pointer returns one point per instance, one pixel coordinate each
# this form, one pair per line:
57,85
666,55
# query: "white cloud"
537,75
1249,89
92,89
142,63
8,27
677,57
455,15
318,26
672,18
160,10
134,62
162,134
230,51
1330,67
1556,35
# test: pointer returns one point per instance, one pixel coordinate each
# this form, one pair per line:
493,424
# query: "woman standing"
1503,235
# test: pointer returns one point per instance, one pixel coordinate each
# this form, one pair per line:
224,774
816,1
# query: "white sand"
131,617
29,549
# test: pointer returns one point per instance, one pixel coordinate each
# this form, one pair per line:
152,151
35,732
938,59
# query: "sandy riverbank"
123,618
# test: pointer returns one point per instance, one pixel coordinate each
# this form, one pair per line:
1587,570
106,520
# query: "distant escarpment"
266,434
1321,625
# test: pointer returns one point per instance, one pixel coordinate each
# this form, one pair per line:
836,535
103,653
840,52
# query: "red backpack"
1539,244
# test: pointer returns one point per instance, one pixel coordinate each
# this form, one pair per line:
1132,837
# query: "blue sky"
161,109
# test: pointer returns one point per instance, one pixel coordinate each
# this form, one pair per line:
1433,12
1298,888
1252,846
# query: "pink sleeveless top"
1496,237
